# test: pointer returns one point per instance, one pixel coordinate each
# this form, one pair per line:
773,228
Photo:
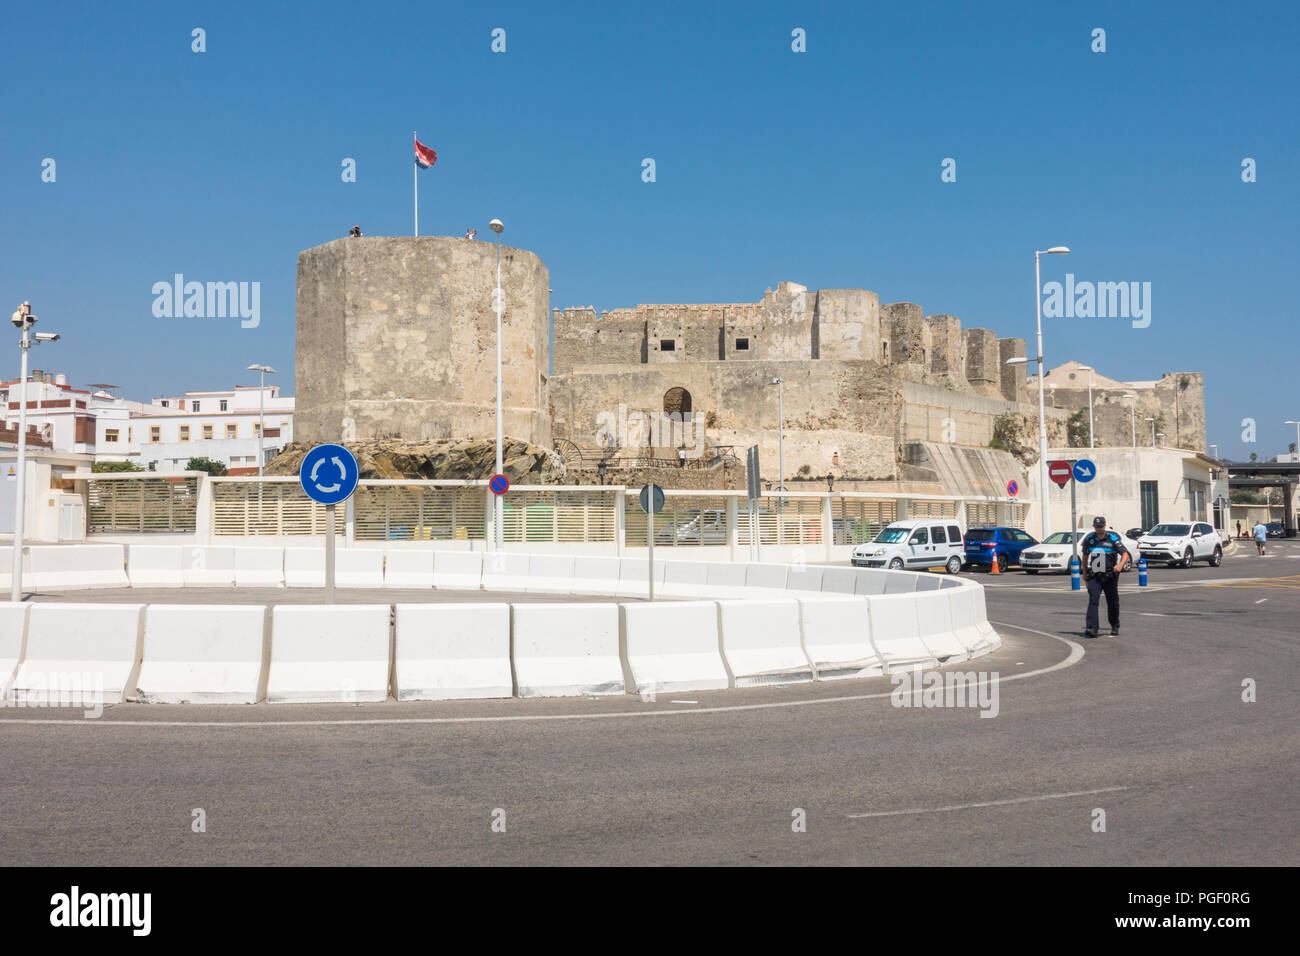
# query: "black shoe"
1090,633
1114,632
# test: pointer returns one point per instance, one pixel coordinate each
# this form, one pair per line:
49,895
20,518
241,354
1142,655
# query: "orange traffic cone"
994,569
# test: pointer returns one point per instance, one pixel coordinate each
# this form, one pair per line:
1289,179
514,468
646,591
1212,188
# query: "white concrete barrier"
671,647
408,568
965,624
927,582
991,640
766,576
634,576
13,636
725,580
458,570
333,652
211,566
550,573
934,622
685,579
839,580
896,634
761,643
900,582
505,571
259,567
805,578
836,630
95,647
155,566
203,654
452,651
54,567
359,568
564,650
305,567
595,574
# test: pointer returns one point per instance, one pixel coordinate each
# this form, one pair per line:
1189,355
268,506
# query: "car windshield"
1169,530
980,534
1274,526
891,535
1061,537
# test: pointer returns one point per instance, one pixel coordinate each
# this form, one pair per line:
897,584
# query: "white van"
916,543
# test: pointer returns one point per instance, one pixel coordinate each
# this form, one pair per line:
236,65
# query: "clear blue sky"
822,168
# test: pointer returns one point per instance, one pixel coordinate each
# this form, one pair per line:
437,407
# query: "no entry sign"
1060,472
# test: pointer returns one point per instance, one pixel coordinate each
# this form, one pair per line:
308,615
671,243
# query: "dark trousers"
1097,585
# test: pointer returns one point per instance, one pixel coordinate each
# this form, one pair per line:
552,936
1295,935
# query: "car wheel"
896,564
1002,563
1216,559
954,564
1031,570
1187,558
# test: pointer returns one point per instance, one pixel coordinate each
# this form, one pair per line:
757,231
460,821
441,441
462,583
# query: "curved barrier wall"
717,626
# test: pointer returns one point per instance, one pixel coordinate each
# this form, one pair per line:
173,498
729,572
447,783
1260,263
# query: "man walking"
1104,557
1261,537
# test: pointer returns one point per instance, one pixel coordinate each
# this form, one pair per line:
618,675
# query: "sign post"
1084,471
752,490
652,502
329,475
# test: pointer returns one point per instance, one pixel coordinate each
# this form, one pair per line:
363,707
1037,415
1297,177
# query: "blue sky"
821,168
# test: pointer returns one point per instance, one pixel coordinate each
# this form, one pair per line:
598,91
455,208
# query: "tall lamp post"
1153,431
263,371
1088,369
1045,511
780,433
1132,419
24,320
498,509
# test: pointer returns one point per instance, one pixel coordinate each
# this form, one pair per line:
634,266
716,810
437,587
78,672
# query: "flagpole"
415,173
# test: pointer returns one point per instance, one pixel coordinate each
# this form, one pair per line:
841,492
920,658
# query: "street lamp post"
263,371
24,320
1153,431
498,506
1088,369
780,433
1132,419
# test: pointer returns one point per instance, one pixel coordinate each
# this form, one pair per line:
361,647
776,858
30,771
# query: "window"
742,345
884,351
1022,537
110,435
155,433
232,430
1149,496
939,536
954,533
257,429
668,345
677,400
920,536
194,405
185,433
130,434
223,404
165,404
207,432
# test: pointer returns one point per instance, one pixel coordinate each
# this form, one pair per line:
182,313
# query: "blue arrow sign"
1084,470
329,474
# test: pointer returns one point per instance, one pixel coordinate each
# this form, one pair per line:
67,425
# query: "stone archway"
678,400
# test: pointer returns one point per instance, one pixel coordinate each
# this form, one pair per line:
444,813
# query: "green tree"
112,467
1076,429
215,468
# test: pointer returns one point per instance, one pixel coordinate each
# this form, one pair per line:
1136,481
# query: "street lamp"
24,320
1088,369
1045,512
1153,431
263,371
780,432
1132,418
499,506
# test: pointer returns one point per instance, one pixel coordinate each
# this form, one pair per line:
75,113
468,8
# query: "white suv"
918,543
1182,543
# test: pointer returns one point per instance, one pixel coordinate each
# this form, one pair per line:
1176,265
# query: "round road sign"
1060,472
652,499
499,484
1012,488
329,474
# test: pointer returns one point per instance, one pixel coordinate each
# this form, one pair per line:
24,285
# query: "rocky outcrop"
391,458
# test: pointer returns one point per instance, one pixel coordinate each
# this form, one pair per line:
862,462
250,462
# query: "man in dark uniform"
1103,556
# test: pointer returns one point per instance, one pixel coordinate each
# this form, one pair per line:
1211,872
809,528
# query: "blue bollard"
1142,572
1074,574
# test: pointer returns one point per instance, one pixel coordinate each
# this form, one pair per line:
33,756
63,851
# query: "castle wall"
982,361
1012,377
847,325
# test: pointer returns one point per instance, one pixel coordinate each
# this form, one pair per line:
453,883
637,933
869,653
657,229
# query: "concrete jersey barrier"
836,632
95,646
328,653
672,647
210,566
896,634
204,654
408,568
566,650
13,637
761,642
452,651
155,565
75,567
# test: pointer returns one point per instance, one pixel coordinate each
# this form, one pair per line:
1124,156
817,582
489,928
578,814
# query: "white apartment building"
162,435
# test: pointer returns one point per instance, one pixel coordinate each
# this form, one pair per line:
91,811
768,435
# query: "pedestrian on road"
1238,529
1104,557
1261,538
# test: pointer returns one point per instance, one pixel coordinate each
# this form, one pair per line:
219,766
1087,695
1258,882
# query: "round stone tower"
396,338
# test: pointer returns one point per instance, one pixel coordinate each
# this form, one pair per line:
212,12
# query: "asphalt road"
1149,727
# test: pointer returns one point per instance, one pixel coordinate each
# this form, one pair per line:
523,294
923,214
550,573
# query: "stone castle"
396,338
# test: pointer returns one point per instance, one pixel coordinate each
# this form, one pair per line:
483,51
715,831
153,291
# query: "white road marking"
1075,655
990,803
1261,600
685,701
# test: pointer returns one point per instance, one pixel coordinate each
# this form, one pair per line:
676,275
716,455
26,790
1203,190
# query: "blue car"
985,545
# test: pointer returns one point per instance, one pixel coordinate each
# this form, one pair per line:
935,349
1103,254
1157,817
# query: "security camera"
46,336
23,318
